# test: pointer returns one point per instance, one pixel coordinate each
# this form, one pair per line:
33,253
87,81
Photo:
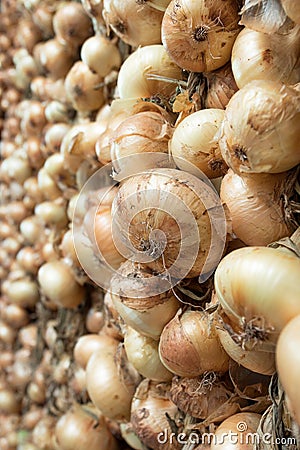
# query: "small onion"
88,344
189,345
134,79
9,403
82,427
265,137
83,88
136,23
199,35
288,364
24,293
109,392
271,57
71,24
100,55
58,283
54,58
255,206
193,141
142,353
259,283
238,431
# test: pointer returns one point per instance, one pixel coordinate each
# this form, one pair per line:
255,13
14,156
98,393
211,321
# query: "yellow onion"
142,132
259,285
288,364
23,292
83,427
88,344
100,55
267,16
247,346
270,57
238,431
134,79
146,313
189,345
263,137
255,207
71,24
83,88
54,58
162,213
220,87
199,35
151,415
142,353
136,23
193,141
110,385
59,285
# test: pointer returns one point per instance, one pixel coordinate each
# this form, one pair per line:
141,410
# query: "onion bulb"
100,55
83,88
152,413
142,353
189,345
271,57
147,314
58,283
260,132
288,364
259,285
135,22
237,431
160,215
199,35
88,344
255,207
82,427
110,388
54,58
193,141
71,24
134,79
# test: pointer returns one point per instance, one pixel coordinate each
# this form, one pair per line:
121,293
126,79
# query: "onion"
58,283
71,24
258,286
199,35
134,79
270,57
255,206
265,136
110,389
137,23
189,345
83,88
89,344
9,403
142,353
288,364
292,9
54,58
23,293
100,55
238,431
193,141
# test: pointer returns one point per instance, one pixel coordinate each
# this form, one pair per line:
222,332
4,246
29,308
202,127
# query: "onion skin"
288,364
259,283
235,429
255,206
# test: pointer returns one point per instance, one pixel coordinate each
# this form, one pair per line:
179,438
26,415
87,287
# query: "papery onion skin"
288,364
265,136
259,283
255,206
271,57
199,35
292,9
